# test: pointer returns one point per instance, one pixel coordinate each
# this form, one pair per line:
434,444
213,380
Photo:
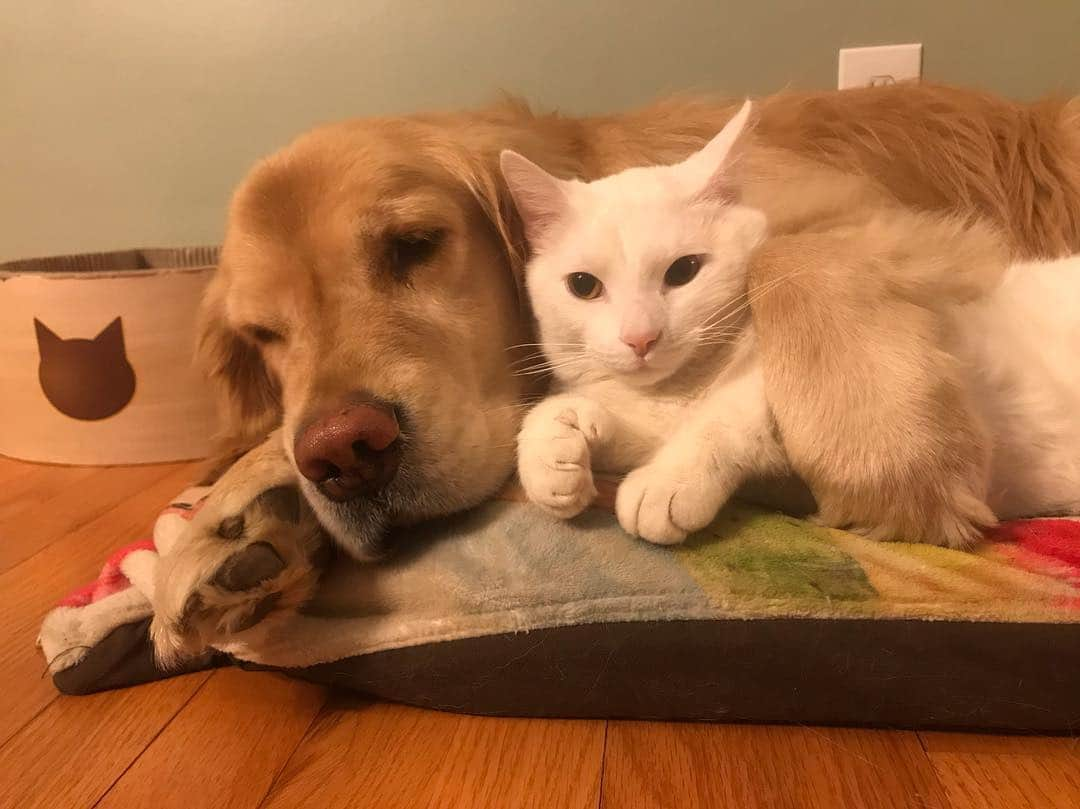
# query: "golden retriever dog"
368,301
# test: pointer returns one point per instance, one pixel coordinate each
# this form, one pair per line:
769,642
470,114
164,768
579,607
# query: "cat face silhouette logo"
85,379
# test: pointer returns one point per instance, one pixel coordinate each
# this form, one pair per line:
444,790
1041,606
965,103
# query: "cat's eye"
262,334
584,285
683,270
406,250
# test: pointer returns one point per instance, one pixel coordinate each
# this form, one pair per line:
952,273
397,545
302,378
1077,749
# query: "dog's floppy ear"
472,158
248,396
478,171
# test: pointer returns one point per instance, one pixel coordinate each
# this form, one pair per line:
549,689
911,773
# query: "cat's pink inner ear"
538,196
113,333
721,188
711,168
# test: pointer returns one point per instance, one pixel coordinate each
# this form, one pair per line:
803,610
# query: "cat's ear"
540,198
708,171
46,337
112,336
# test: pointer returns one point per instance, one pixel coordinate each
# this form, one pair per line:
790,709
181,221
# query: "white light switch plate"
887,64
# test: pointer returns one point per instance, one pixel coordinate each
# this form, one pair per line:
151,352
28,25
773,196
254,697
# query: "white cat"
638,283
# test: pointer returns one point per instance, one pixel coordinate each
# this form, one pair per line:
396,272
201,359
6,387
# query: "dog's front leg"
871,406
252,553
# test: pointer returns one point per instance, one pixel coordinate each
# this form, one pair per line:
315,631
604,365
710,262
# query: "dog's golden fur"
938,147
846,292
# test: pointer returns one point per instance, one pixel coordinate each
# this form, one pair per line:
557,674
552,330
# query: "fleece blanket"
506,567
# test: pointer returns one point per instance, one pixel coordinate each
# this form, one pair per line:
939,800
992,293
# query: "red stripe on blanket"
1050,547
111,579
1058,539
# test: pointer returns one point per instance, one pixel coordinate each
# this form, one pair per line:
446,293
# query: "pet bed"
762,617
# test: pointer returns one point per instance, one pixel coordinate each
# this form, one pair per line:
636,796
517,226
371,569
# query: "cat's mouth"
642,372
650,369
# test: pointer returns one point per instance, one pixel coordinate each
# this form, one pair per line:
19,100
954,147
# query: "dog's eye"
406,250
262,334
683,270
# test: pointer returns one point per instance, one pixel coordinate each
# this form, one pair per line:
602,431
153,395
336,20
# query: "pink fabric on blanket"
110,580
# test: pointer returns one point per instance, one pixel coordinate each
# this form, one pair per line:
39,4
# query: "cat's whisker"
519,406
718,342
540,359
531,358
543,363
544,345
540,355
712,331
550,367
536,366
750,300
725,313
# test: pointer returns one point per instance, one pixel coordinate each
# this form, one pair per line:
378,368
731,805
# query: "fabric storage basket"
97,360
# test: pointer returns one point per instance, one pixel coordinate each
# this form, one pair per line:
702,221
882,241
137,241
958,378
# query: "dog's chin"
361,527
358,527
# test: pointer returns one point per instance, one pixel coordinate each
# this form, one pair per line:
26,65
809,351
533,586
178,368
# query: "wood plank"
71,753
388,756
30,589
64,498
1006,772
10,469
650,764
24,485
235,736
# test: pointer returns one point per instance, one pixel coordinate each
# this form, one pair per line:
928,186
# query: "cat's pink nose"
641,343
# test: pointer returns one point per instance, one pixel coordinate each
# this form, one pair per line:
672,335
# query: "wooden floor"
240,739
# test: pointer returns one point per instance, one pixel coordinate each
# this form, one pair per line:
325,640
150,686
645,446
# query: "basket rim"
128,262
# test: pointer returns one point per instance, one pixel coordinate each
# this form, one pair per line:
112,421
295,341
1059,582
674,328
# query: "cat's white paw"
554,461
663,503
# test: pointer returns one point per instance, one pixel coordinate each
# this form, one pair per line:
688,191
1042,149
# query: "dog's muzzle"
353,451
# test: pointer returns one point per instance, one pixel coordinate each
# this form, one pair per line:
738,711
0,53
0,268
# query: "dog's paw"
664,503
554,461
234,569
957,521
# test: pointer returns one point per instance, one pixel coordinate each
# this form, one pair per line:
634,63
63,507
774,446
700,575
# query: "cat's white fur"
689,421
1021,351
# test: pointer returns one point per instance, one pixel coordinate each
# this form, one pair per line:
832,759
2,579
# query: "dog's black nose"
352,452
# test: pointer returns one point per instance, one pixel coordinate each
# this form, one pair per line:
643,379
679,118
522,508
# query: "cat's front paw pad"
554,464
663,504
230,572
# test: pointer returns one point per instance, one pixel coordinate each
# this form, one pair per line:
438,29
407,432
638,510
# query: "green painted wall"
127,123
